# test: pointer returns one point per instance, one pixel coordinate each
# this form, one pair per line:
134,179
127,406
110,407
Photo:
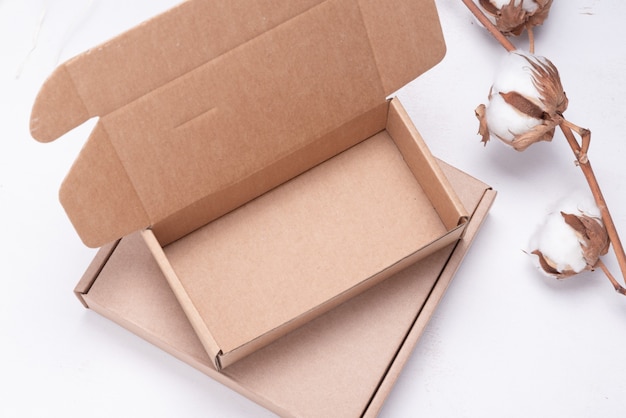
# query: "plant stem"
531,38
618,288
585,166
504,41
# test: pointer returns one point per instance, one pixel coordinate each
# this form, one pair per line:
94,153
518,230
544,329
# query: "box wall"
424,167
278,172
198,324
93,270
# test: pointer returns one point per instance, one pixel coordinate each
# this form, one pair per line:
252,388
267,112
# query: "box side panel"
472,192
231,357
93,270
215,205
424,166
199,325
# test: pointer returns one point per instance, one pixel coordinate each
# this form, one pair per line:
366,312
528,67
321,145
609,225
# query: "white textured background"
505,342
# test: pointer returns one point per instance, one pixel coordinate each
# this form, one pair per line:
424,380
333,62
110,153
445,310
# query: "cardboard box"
304,247
342,364
255,147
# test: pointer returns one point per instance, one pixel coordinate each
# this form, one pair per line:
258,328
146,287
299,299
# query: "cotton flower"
512,16
526,102
571,239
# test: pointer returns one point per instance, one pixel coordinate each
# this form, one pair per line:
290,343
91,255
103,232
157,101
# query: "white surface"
505,341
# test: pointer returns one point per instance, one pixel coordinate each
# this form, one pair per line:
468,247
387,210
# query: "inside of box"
305,242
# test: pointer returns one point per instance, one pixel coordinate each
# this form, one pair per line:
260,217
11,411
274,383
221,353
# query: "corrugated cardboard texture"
233,88
342,364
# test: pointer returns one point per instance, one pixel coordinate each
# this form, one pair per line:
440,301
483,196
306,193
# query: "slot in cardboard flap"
212,93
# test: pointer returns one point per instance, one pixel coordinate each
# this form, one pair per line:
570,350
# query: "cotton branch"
580,151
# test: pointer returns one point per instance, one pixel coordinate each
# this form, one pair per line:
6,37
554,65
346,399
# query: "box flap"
210,93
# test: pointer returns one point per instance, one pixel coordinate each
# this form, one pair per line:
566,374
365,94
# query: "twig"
618,288
607,219
504,41
531,38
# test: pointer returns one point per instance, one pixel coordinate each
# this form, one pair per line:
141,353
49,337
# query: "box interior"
305,242
296,251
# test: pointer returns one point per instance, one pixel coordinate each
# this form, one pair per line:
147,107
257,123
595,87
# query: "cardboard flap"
212,92
133,64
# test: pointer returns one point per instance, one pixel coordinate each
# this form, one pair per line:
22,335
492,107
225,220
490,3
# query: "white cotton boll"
506,122
528,5
578,202
558,241
500,3
571,239
513,17
515,74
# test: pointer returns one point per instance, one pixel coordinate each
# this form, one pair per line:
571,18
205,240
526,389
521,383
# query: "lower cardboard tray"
343,363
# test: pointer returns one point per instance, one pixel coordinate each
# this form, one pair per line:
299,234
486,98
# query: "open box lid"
202,106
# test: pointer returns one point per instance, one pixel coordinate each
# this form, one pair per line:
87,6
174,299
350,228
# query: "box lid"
198,103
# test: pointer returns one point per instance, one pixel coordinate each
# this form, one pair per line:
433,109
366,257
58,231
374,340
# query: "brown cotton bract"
551,95
594,243
512,18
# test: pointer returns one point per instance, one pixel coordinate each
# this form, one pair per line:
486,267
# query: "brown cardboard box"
342,364
254,145
304,247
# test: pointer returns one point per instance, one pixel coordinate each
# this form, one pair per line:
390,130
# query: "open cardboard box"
254,145
304,247
341,364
